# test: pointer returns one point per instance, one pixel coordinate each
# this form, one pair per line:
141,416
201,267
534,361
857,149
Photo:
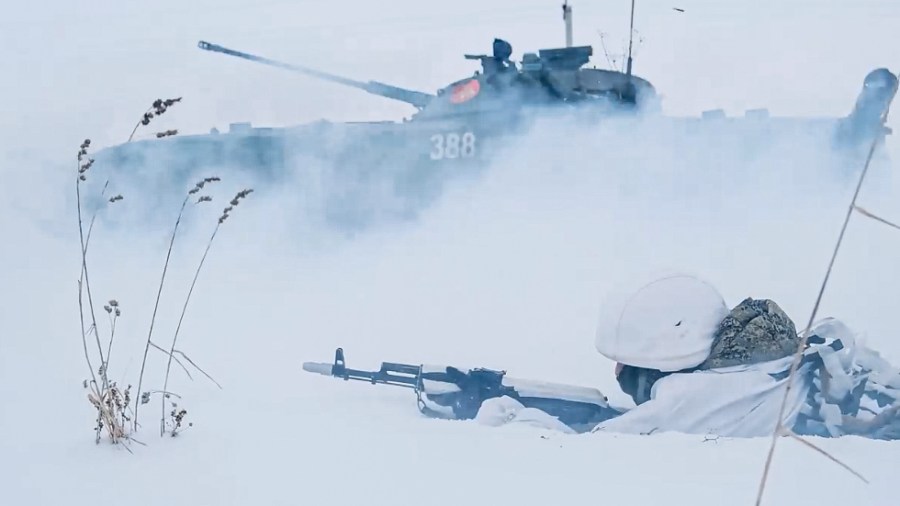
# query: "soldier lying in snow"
693,366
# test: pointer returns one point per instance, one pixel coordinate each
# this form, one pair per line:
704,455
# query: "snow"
500,411
506,273
333,452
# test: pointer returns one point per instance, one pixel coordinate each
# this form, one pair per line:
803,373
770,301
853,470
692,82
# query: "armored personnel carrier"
454,132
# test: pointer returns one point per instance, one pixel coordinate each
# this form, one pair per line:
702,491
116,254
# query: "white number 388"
452,145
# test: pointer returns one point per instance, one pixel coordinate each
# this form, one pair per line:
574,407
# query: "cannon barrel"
415,98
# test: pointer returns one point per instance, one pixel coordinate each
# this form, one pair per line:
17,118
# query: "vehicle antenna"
567,17
630,40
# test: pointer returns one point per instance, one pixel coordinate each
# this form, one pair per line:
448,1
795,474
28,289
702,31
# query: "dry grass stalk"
99,389
113,312
112,403
868,214
162,280
780,428
164,105
177,419
210,378
112,406
158,108
160,348
189,361
225,213
822,452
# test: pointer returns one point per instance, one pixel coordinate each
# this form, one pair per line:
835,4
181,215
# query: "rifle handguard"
450,392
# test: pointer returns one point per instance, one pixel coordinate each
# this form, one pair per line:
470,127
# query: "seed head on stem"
225,213
197,187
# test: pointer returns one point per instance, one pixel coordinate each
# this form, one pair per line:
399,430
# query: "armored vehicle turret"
550,77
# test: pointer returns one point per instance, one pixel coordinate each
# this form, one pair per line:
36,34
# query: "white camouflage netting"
744,401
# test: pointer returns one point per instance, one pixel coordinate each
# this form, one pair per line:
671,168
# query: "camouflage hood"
756,330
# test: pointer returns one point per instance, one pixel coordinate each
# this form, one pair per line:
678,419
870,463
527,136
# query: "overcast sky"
74,69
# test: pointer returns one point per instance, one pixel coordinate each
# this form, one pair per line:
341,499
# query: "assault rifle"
454,393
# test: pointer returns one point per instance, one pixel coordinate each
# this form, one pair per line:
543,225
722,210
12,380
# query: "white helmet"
667,324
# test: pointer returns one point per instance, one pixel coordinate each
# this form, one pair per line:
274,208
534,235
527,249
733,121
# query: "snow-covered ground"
506,272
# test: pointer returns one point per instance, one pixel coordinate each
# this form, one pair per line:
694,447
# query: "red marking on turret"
465,91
